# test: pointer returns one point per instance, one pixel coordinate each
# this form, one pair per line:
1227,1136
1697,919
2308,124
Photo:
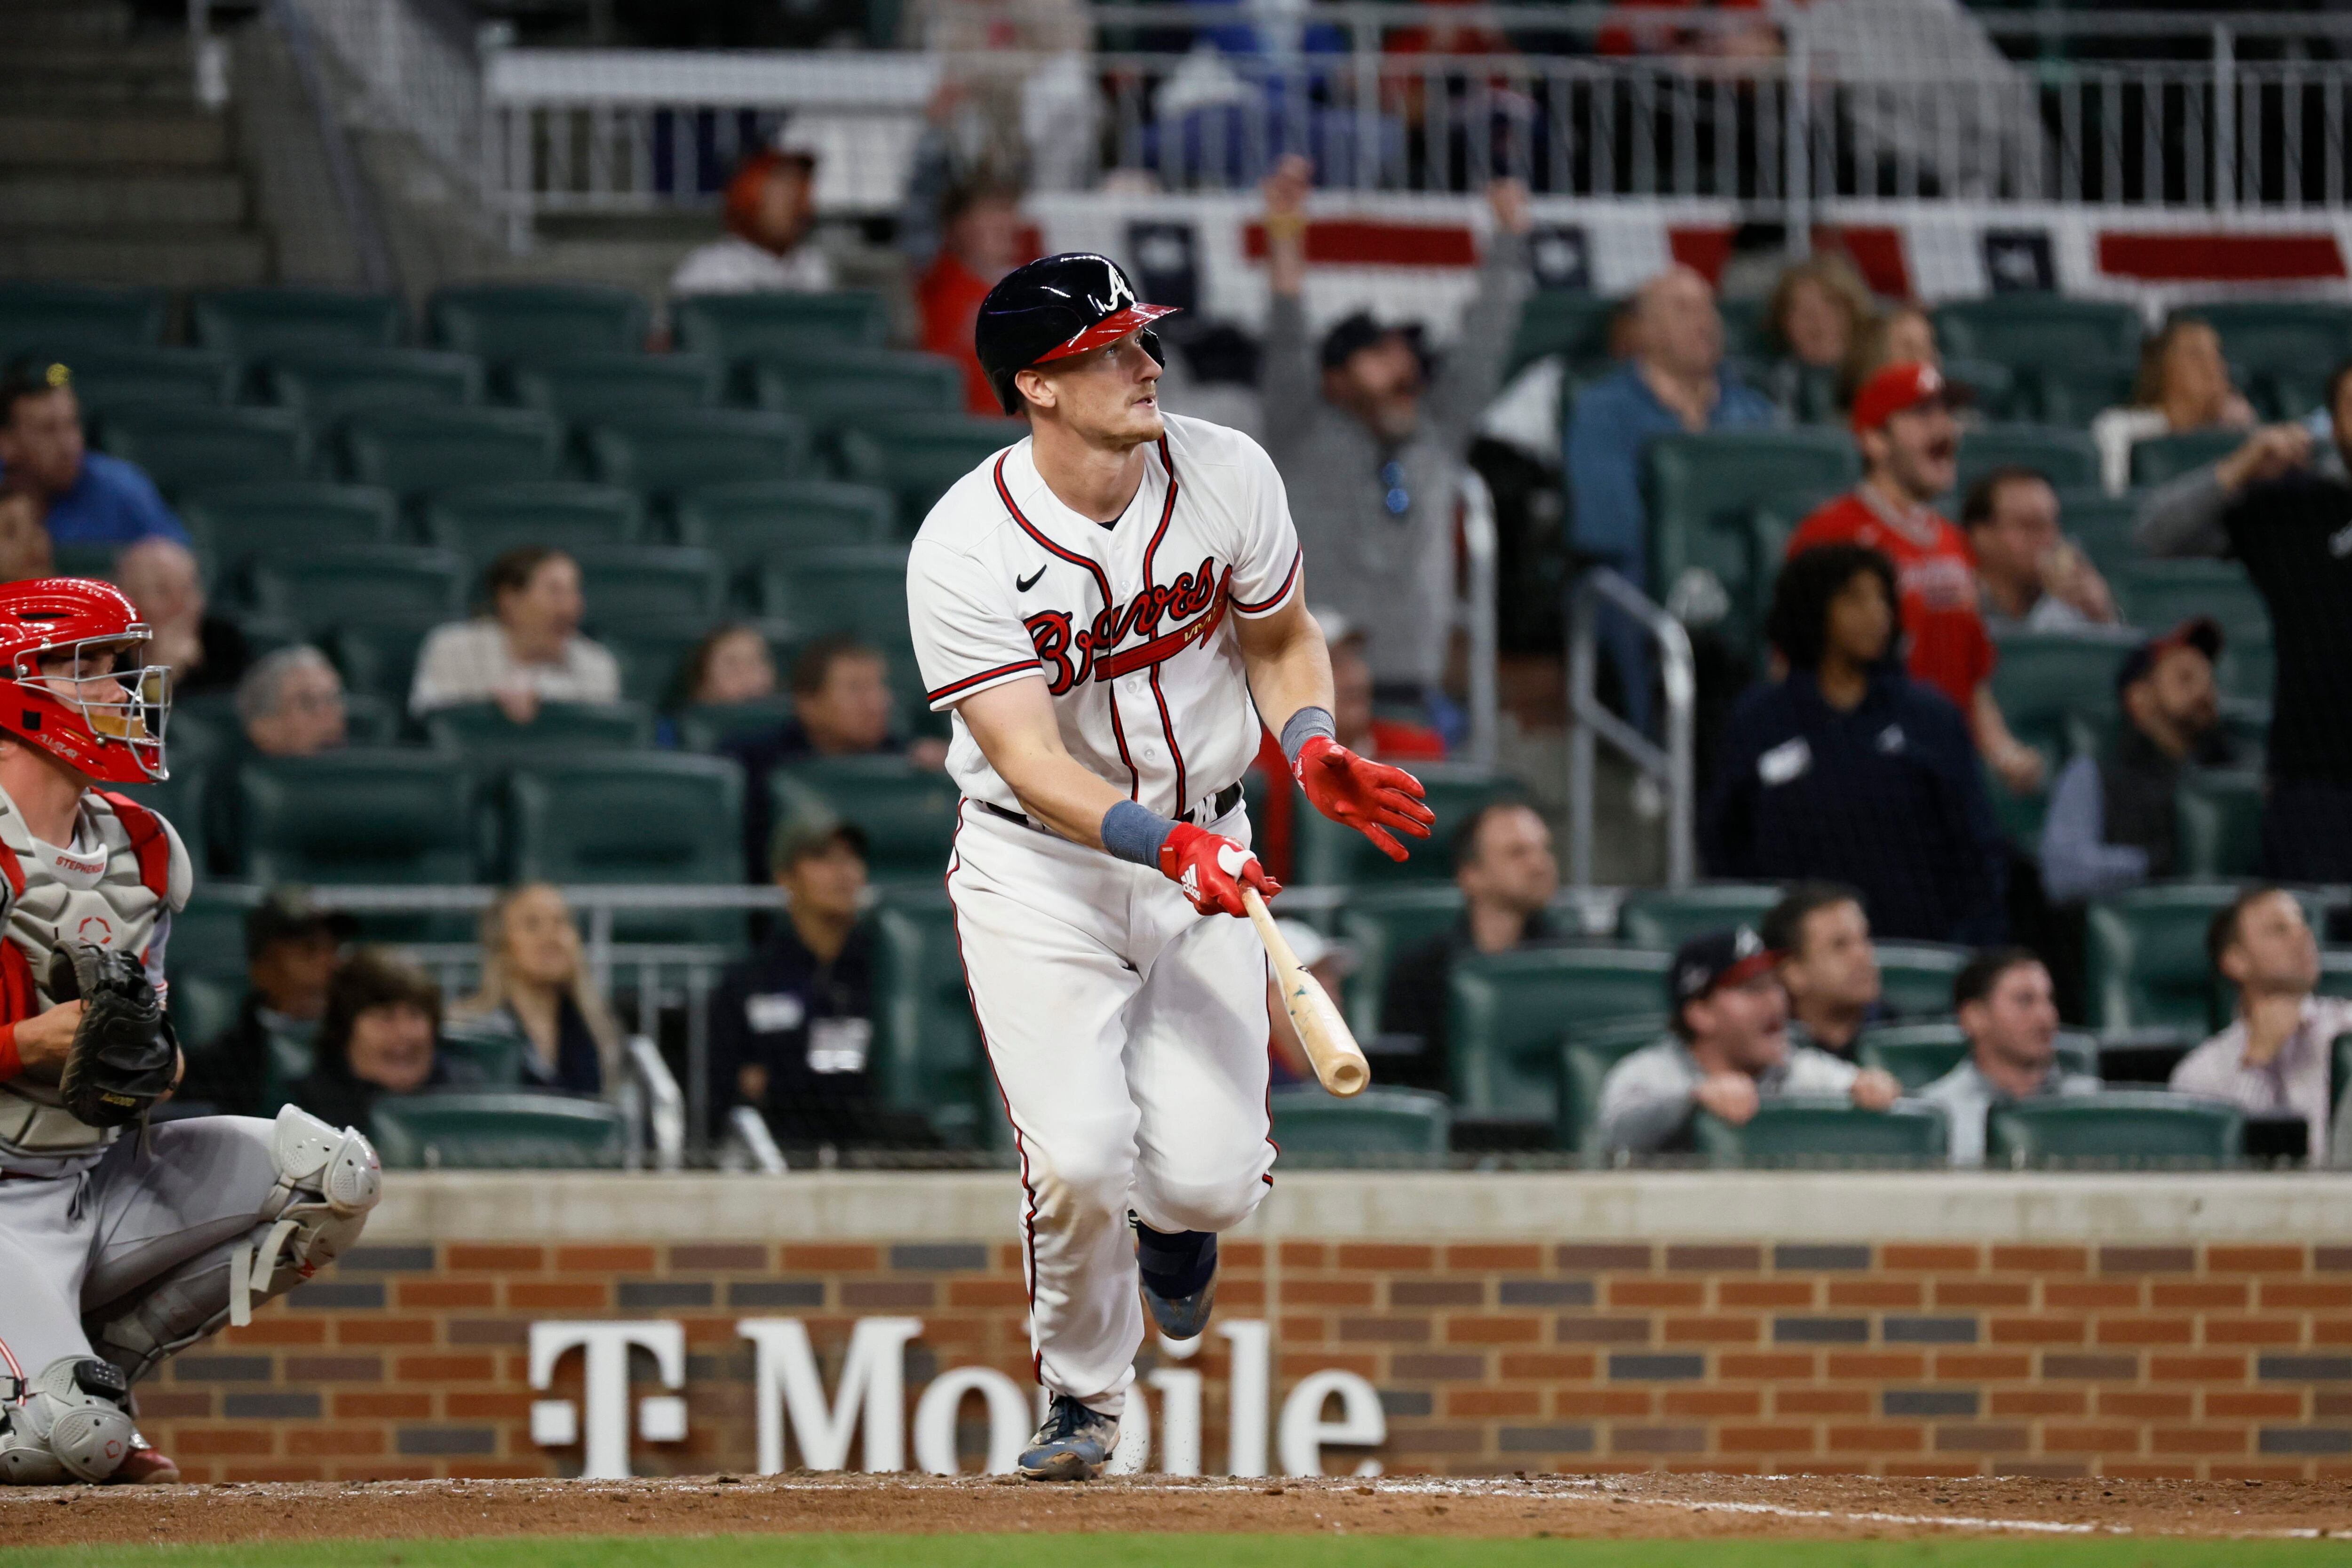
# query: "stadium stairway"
109,170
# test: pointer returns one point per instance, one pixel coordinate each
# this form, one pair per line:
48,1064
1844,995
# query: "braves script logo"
1096,650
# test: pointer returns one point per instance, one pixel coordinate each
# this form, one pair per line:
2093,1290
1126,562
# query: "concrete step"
43,199
163,258
30,22
146,72
173,140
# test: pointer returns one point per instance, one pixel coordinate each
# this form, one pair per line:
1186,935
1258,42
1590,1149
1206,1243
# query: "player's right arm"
38,1045
1015,728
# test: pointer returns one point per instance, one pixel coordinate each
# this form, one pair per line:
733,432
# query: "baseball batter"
1111,608
116,1251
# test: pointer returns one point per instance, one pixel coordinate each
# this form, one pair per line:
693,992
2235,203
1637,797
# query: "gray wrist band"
1303,726
1134,832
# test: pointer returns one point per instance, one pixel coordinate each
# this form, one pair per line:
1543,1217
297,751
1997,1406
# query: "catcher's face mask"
125,704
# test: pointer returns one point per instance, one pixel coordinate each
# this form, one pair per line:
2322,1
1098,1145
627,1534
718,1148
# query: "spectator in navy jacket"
84,497
1849,771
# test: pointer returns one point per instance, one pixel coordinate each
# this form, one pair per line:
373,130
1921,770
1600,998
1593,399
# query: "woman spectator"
1819,311
730,666
1902,334
2183,385
527,651
535,988
1849,771
380,1036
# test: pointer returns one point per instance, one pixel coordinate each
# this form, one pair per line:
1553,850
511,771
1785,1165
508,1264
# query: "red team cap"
1900,386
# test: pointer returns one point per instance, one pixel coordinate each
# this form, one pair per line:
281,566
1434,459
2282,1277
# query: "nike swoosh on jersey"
1022,585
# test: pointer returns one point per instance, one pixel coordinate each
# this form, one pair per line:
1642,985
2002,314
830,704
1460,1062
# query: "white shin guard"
72,1422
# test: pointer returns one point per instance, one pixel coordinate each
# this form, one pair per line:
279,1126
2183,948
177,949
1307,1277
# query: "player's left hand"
1370,797
1212,870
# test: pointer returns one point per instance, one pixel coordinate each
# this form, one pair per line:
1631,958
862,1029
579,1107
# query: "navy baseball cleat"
1179,1271
1073,1444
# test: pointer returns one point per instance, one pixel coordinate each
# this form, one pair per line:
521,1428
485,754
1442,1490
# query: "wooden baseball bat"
1338,1060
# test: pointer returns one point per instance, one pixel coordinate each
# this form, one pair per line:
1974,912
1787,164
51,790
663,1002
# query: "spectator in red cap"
1902,422
771,207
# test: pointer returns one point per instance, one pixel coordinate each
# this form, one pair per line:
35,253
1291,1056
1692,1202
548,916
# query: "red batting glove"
1368,797
1212,869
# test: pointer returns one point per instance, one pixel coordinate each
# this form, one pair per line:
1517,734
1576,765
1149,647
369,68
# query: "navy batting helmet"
1053,308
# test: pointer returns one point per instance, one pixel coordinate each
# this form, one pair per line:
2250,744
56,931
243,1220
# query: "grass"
1191,1552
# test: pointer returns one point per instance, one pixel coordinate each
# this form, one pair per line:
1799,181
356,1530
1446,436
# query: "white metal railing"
1475,612
1672,767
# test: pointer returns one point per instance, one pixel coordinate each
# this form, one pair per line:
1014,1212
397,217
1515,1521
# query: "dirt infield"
1677,1507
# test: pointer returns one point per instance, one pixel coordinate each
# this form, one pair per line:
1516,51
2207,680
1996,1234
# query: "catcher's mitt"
123,1054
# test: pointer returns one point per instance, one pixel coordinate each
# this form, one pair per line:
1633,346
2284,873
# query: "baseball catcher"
121,1242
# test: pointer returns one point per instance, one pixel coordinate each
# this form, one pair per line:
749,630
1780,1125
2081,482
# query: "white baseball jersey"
1125,622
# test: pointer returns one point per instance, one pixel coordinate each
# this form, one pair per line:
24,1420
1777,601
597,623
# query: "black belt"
1213,810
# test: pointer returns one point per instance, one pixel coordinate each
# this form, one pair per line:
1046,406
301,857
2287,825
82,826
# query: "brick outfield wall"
2215,1362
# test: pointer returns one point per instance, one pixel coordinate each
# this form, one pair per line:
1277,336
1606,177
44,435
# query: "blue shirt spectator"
1848,769
1675,385
85,497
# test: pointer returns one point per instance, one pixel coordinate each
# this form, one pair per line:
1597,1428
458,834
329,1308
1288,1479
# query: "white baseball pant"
1129,1035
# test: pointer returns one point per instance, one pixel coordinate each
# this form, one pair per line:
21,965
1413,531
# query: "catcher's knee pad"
72,1422
327,1183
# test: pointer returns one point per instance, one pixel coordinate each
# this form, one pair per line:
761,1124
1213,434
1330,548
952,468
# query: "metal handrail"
760,1143
662,1111
1589,721
1481,548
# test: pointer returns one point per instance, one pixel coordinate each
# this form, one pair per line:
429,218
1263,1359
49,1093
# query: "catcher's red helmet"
59,691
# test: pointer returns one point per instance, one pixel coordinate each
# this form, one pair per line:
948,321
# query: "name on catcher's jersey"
1127,624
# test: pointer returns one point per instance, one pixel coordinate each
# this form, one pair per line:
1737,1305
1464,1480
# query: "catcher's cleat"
145,1464
1178,1271
1073,1444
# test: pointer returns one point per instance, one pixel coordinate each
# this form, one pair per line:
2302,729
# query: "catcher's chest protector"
112,888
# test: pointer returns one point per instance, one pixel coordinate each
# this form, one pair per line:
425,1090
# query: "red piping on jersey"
969,682
14,869
1029,1218
1276,597
148,841
1166,646
1118,731
1206,624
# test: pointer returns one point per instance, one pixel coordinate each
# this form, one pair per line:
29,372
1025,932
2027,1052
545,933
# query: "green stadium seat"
1666,917
188,447
482,523
1992,386
2122,1129
635,584
494,1130
490,743
207,938
1379,1126
1323,852
2071,393
1793,1134
580,388
2249,665
746,523
2057,688
733,327
1506,1013
504,322
1745,333
2288,347
325,386
490,1051
632,818
1916,977
2064,457
61,318
2219,820
707,726
257,324
1573,325
2158,595
907,813
652,655
1816,395
419,450
355,816
666,450
107,378
202,1009
378,663
915,457
1379,924
830,386
1919,1054
2102,525
927,1054
2169,457
1586,1058
401,585
1705,492
2146,965
860,591
2039,330
241,522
